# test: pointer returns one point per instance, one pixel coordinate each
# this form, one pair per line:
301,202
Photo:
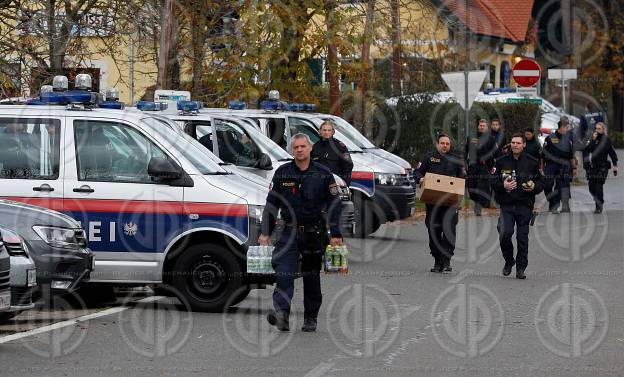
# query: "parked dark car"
23,275
56,243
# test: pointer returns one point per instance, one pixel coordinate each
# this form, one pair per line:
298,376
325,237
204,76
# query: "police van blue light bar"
271,105
237,105
112,105
151,106
310,107
66,98
189,106
296,107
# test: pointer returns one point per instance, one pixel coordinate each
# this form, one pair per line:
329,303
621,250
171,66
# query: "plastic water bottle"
251,260
344,263
329,259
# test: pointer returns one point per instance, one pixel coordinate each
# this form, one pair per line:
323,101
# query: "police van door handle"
44,188
83,188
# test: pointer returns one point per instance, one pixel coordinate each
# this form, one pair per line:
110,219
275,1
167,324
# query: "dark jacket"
335,155
480,149
597,151
558,148
533,148
527,169
304,198
438,163
498,138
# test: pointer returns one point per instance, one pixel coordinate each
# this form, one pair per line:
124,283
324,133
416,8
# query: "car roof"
60,111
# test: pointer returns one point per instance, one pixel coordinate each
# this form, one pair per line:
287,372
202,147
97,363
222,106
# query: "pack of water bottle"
336,260
259,260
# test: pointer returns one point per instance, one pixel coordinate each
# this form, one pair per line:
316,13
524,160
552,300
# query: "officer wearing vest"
516,180
597,165
440,220
560,167
332,153
479,152
306,194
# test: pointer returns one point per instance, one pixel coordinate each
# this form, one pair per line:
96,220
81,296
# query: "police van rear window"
29,148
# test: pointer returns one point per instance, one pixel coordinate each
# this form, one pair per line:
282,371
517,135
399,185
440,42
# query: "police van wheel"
366,219
207,275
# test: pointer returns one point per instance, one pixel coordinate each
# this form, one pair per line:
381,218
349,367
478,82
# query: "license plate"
32,278
5,300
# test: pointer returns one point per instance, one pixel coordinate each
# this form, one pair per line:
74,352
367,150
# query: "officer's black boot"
565,206
279,320
437,266
507,268
446,264
598,208
520,274
309,325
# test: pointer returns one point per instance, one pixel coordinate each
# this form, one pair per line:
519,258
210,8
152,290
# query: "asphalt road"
389,316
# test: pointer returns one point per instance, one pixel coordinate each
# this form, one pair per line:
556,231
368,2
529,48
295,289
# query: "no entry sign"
526,73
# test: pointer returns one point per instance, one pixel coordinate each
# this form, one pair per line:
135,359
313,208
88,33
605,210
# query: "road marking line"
320,370
73,321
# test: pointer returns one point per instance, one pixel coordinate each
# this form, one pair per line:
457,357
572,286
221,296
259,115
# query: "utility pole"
397,88
165,45
131,74
466,70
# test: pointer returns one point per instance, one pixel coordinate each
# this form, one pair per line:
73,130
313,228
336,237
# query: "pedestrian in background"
498,135
597,165
479,152
303,191
332,153
559,167
516,180
441,220
533,147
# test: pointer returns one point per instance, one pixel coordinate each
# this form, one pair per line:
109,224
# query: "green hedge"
617,138
418,120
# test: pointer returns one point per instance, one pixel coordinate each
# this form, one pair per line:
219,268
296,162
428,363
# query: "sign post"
563,75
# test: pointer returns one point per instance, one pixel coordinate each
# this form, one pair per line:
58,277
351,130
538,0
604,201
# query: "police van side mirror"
264,162
163,169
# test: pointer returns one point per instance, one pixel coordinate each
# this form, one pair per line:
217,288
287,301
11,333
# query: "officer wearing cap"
559,167
332,153
516,180
306,194
479,152
441,220
597,165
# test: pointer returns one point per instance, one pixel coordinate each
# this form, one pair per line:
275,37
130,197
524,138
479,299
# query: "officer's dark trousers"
515,216
479,185
441,222
286,264
557,178
596,177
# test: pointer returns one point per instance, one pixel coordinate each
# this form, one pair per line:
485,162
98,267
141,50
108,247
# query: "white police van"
382,190
238,142
154,209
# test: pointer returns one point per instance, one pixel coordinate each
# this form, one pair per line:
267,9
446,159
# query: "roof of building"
498,18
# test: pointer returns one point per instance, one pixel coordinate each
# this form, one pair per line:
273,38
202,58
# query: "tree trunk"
165,46
365,56
396,49
332,61
618,110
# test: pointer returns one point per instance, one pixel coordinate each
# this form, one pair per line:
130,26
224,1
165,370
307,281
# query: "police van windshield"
269,147
188,147
351,132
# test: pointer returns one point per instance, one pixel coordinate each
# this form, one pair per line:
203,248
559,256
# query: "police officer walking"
516,180
498,135
596,164
479,152
533,147
441,220
307,195
332,153
560,167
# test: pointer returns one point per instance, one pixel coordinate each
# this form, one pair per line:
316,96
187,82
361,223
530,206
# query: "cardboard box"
442,190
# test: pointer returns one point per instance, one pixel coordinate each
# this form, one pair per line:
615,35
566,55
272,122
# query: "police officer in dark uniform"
332,153
498,135
533,147
516,180
560,167
307,195
441,220
587,127
596,164
479,153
